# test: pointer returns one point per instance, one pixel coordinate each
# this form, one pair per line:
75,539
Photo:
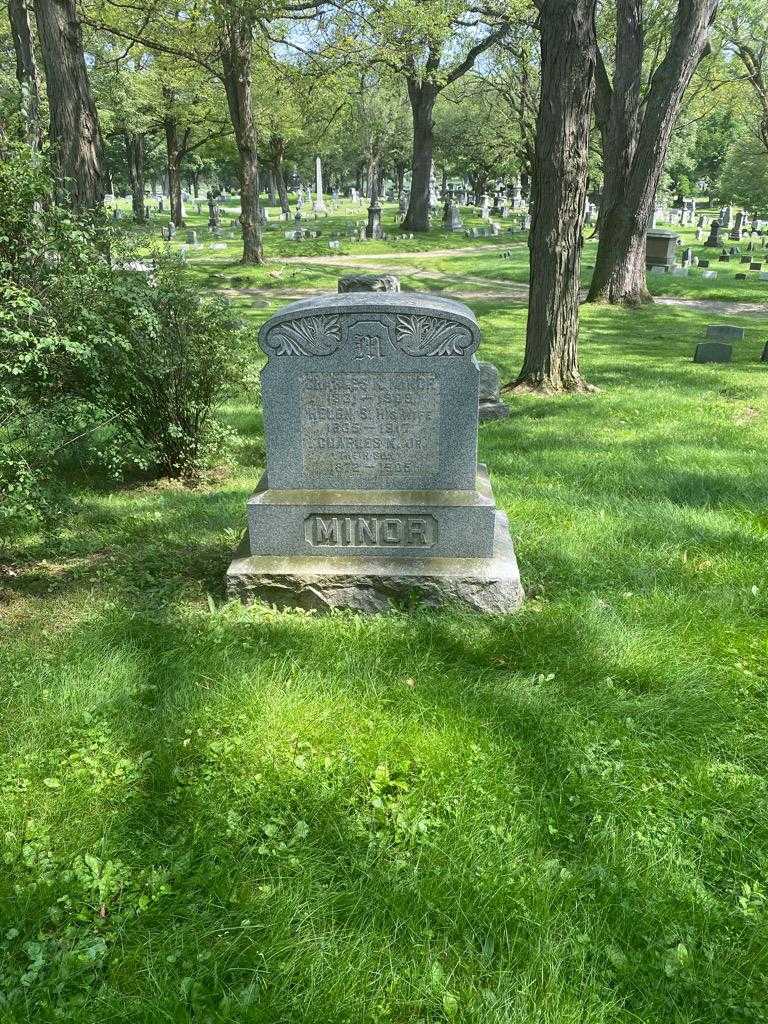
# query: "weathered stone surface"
713,352
369,283
491,406
725,332
660,248
372,495
398,524
374,585
367,392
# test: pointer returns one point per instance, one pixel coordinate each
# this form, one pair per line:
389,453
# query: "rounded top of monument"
416,324
419,301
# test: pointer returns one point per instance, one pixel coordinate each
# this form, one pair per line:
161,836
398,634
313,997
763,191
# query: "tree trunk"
422,96
562,143
399,178
271,187
196,183
236,53
134,148
75,135
634,146
174,151
282,191
26,71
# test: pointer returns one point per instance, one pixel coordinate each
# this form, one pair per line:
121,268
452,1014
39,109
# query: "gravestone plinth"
372,494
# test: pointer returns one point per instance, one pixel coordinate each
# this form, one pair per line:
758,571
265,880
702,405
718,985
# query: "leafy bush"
124,367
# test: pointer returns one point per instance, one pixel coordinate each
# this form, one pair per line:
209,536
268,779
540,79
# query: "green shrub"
122,367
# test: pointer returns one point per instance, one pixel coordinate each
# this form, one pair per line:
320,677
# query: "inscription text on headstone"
368,425
370,531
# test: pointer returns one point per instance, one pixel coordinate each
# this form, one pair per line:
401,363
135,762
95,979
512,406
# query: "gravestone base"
372,585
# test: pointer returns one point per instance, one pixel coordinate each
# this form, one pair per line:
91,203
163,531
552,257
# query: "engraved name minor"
370,531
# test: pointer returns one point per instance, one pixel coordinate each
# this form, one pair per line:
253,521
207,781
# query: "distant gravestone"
713,352
755,266
369,283
451,216
703,264
725,332
491,406
715,235
372,494
660,247
709,275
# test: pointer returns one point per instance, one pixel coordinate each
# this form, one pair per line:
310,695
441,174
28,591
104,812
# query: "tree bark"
422,96
26,71
236,53
568,50
134,148
282,190
276,153
271,187
636,136
175,149
74,130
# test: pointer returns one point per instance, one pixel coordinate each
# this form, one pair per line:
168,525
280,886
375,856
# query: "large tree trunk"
134,148
26,71
562,142
422,96
634,146
271,187
175,155
236,53
75,135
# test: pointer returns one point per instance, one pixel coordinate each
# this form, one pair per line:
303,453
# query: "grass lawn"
217,814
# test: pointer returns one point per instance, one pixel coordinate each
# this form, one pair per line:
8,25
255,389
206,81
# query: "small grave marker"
713,352
725,332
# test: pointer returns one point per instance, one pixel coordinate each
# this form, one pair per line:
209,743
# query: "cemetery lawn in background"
234,815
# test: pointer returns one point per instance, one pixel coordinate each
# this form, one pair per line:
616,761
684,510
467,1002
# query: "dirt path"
717,307
458,286
351,261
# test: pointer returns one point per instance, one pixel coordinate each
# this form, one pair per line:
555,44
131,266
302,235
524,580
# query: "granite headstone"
372,493
725,332
713,352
